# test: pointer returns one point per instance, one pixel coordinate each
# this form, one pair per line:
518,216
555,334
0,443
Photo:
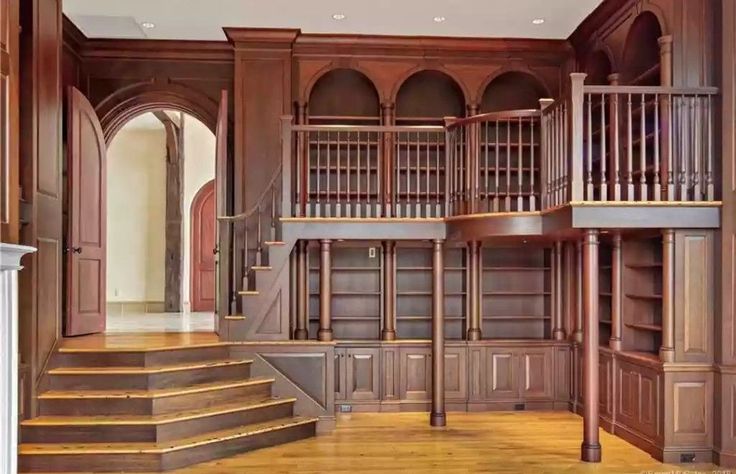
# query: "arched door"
203,246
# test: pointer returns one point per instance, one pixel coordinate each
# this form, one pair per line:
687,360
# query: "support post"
325,291
617,287
667,351
590,449
475,332
558,331
437,415
389,291
665,118
302,293
575,158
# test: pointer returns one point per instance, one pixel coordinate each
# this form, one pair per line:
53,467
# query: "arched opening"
156,163
513,90
641,52
597,68
428,96
344,95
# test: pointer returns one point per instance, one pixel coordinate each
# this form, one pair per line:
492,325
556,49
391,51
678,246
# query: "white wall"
136,203
199,168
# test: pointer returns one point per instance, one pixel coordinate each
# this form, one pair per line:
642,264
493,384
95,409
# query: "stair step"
156,428
148,377
141,357
248,293
234,318
273,243
260,268
151,402
111,457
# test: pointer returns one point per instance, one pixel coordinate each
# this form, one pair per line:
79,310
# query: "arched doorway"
203,235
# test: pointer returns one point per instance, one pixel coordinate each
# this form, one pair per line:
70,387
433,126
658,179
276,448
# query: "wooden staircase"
153,410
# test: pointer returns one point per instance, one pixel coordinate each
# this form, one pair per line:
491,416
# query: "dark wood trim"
591,447
437,414
302,292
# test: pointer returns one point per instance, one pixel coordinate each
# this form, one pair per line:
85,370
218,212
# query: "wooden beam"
591,448
174,249
437,416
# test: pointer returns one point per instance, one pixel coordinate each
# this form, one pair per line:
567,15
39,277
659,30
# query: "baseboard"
120,308
722,459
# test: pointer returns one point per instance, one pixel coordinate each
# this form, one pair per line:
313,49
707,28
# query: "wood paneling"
9,132
416,374
456,370
536,374
502,375
362,377
41,179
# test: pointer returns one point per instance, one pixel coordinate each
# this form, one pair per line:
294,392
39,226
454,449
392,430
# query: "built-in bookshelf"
642,282
605,295
516,293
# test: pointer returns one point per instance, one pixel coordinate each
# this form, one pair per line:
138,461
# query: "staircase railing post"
286,153
575,157
544,151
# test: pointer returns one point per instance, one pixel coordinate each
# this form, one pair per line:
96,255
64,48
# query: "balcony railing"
596,144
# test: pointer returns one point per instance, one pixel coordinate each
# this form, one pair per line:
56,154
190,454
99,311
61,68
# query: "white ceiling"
204,19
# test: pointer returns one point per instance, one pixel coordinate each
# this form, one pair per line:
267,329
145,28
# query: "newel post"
575,158
544,150
286,180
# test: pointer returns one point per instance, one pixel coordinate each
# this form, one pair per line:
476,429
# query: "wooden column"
475,332
617,287
325,291
389,291
437,414
667,351
558,331
665,60
174,249
613,165
578,336
665,79
387,205
591,448
569,271
301,332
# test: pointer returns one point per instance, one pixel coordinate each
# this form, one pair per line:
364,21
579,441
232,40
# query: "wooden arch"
438,68
121,106
505,70
306,92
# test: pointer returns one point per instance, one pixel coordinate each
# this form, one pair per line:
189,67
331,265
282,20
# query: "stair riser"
140,359
180,378
152,433
157,462
156,406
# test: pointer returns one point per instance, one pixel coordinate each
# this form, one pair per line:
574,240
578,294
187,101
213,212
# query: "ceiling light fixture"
148,25
538,21
439,19
338,16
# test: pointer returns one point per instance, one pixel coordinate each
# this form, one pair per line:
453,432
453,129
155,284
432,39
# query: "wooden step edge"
260,268
152,394
55,449
75,421
273,243
234,318
147,370
248,293
94,350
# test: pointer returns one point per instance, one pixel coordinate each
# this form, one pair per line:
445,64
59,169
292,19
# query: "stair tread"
134,349
97,420
166,447
147,370
154,393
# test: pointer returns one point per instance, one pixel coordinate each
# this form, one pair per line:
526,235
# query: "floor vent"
520,407
687,457
345,408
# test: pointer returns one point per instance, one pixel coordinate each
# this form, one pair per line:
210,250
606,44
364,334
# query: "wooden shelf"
644,296
644,327
516,293
606,294
645,265
514,318
515,269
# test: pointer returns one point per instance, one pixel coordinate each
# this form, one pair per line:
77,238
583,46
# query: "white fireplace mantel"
10,256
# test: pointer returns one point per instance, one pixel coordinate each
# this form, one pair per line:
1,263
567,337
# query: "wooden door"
86,228
223,209
203,246
363,374
502,381
416,374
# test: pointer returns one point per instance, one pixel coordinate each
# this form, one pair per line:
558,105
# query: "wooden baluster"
386,162
507,202
496,146
554,156
590,448
325,291
328,177
358,176
382,207
656,183
629,153
685,147
589,195
544,161
438,170
338,188
709,186
604,154
437,415
520,170
397,181
615,138
417,191
532,145
643,149
486,189
246,260
449,153
348,172
318,184
407,169
669,127
697,150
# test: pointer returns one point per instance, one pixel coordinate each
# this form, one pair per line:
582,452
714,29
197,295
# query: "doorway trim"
207,190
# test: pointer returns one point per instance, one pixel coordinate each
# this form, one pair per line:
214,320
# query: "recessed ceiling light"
148,25
538,21
439,19
338,16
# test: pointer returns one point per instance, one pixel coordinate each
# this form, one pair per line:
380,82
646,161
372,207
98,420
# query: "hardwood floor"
138,341
513,442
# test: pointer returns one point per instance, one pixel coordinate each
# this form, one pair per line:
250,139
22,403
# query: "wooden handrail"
252,210
661,90
367,128
451,123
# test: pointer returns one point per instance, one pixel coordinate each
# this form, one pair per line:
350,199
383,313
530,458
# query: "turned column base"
615,344
301,335
666,354
324,335
558,334
388,335
590,452
438,419
475,334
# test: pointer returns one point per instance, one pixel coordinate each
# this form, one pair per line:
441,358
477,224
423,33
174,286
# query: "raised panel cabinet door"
86,230
456,373
340,375
416,374
502,374
363,374
536,374
203,246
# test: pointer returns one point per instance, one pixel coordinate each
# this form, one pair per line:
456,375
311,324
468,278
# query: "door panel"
86,232
203,245
416,374
363,374
502,375
536,371
456,380
223,208
340,373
